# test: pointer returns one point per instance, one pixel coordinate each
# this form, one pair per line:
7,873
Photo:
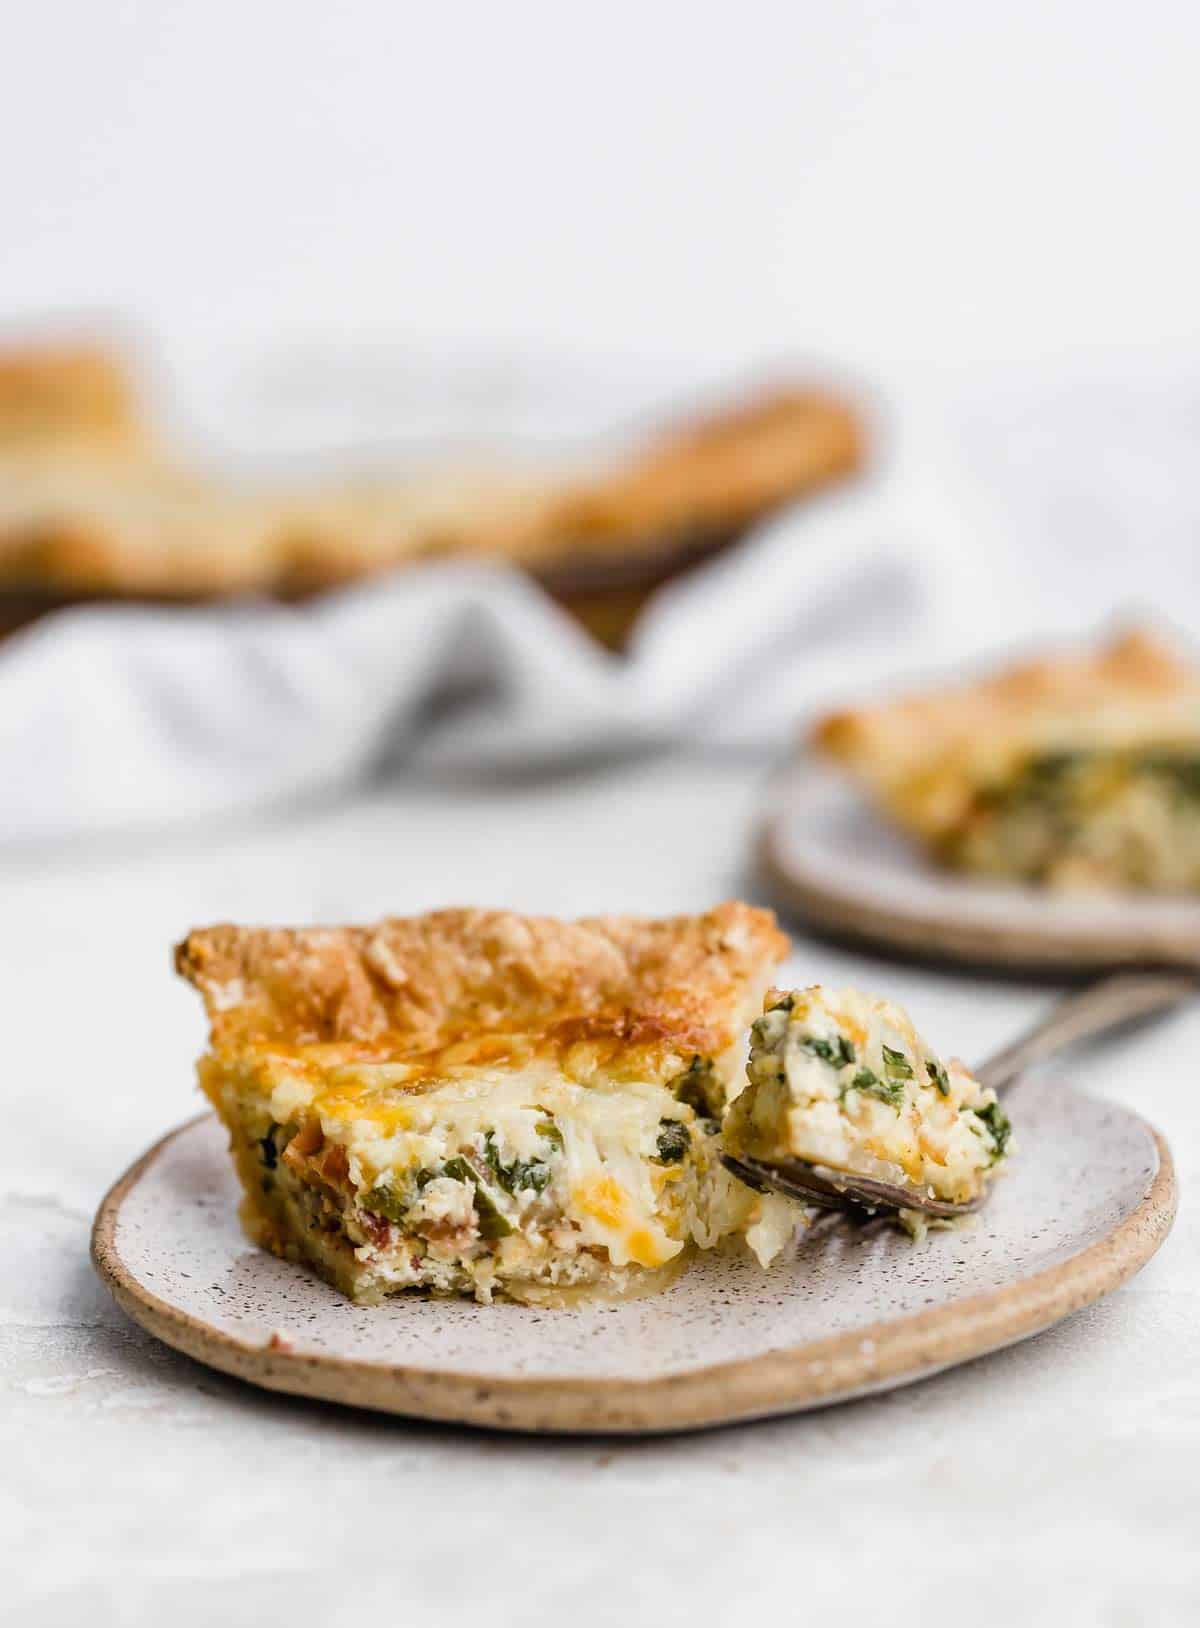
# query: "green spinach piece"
999,1127
521,1173
838,1052
696,1087
674,1140
549,1132
896,1064
938,1075
492,1223
387,1201
1181,771
869,1083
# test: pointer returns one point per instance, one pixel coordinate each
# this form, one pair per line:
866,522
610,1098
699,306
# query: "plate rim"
879,1356
959,939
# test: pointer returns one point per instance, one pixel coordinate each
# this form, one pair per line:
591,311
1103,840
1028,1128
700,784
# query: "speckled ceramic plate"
844,1312
829,857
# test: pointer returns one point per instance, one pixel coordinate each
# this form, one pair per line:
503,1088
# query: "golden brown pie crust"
67,397
417,985
923,756
74,520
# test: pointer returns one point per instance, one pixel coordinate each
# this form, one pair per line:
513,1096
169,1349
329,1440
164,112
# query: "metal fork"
1085,1015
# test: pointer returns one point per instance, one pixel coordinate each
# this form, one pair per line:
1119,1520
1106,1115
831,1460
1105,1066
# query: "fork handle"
1082,1016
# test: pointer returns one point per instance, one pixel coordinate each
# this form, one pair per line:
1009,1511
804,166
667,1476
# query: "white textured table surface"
1053,1483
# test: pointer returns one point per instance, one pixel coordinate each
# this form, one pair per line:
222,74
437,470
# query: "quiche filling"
842,1079
517,1179
477,1104
1128,818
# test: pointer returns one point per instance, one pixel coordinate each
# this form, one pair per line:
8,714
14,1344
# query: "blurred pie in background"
93,506
1077,770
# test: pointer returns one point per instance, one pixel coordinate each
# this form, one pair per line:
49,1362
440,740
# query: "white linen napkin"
115,717
1009,512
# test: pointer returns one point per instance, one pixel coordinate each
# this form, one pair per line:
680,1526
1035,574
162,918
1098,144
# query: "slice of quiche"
473,1101
842,1079
1074,771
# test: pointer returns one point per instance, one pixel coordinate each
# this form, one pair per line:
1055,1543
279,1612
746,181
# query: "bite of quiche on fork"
478,1102
842,1080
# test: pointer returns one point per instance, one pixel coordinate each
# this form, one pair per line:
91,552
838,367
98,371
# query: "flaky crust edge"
709,476
418,983
898,749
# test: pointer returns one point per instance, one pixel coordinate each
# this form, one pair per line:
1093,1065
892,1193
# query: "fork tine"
795,1183
813,1184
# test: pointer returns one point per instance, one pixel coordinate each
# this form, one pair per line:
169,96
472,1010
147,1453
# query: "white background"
896,188
870,182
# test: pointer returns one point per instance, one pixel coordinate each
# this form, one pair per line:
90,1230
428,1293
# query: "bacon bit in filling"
377,1229
316,1163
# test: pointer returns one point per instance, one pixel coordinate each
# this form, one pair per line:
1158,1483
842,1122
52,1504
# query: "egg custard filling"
1094,818
476,1103
843,1079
